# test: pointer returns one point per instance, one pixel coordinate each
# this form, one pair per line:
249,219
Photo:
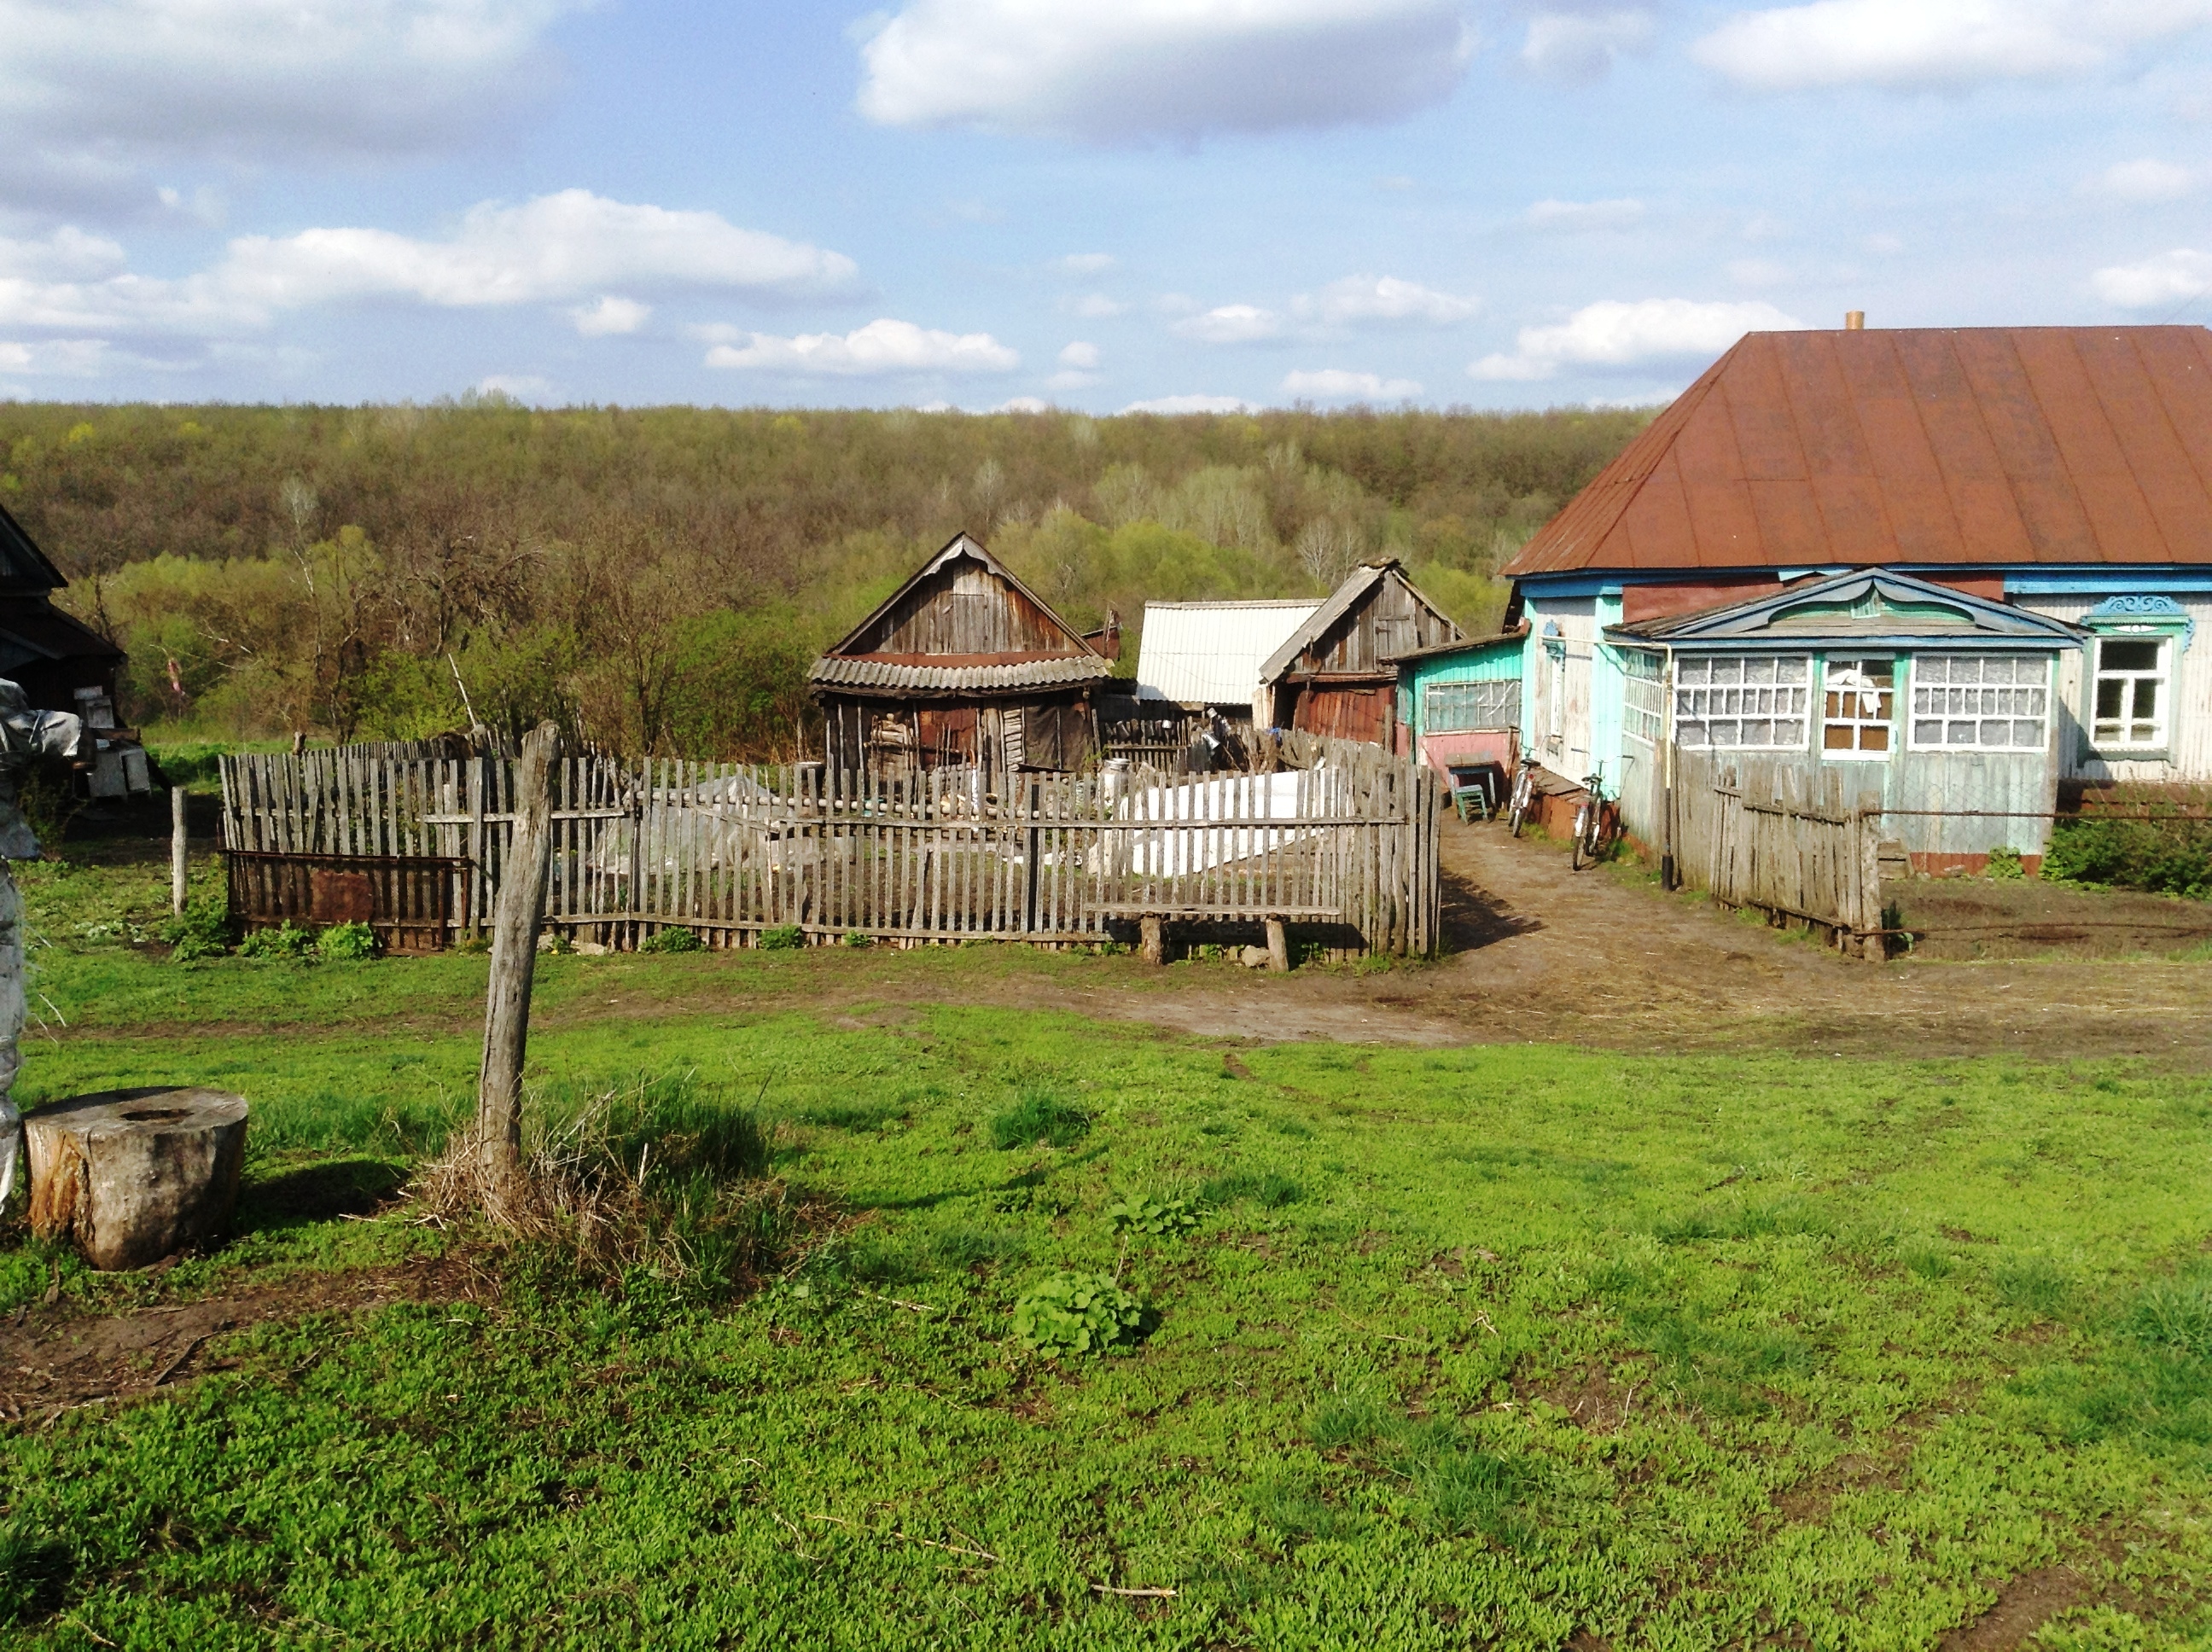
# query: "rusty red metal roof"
1917,445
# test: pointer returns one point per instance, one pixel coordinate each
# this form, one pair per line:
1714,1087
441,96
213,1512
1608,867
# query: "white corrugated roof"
1210,653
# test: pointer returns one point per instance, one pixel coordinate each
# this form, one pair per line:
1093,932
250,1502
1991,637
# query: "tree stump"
134,1175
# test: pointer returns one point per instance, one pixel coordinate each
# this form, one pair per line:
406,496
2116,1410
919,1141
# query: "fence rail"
1347,842
1771,837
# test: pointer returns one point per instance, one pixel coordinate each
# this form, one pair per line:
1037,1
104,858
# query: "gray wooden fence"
1782,838
1345,846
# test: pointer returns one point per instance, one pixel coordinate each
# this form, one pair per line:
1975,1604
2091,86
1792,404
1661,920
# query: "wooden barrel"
134,1175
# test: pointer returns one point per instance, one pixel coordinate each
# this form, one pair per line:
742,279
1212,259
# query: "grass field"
1511,1345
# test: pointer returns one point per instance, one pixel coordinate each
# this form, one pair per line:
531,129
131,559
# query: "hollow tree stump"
134,1175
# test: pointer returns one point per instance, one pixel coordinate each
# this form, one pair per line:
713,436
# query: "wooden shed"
964,666
1338,674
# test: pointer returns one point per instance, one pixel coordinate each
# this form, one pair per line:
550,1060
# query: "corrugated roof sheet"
1970,445
1199,653
858,672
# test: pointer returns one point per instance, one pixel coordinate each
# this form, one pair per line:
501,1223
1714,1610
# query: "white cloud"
1358,300
1078,354
1115,69
1612,334
104,82
1911,44
1617,214
1096,307
1175,404
883,347
68,254
1336,384
2147,180
1085,264
1231,323
611,316
66,358
1575,46
554,248
2169,278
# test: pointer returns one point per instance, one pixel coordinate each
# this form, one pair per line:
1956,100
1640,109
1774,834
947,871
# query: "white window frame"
1504,693
1954,692
1643,695
1846,685
1702,692
2162,723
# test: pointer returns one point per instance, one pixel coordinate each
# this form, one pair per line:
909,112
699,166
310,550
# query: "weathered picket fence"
415,845
1780,837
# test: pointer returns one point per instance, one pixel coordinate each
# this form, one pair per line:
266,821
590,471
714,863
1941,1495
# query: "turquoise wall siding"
1608,691
1493,662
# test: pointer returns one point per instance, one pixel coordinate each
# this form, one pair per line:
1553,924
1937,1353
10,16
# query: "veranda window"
1983,702
1754,702
1643,695
1457,708
2132,694
1859,702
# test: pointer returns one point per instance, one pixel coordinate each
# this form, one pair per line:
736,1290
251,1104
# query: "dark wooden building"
1338,674
62,665
963,666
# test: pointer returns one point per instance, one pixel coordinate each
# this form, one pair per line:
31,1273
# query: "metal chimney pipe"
1854,321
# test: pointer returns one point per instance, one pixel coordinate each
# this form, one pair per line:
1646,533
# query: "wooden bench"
1152,925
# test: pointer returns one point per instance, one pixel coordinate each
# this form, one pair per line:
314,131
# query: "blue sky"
1093,203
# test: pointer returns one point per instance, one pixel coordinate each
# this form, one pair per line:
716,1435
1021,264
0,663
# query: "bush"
347,943
1077,1314
2163,856
859,938
672,940
201,929
1042,1119
1167,1219
287,941
787,938
2004,865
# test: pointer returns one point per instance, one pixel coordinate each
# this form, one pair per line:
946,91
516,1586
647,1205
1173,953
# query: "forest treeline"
658,580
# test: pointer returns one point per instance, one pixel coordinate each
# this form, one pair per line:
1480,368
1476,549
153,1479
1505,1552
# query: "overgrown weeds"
1039,1118
649,1185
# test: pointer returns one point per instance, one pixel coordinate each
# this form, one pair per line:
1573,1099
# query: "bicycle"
1589,821
1524,798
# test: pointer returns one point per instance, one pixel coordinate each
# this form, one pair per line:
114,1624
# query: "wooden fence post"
177,848
515,957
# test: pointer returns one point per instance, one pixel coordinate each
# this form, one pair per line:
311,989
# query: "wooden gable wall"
965,610
1388,619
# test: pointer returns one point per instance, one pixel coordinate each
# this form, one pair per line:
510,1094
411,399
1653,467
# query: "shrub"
347,943
2161,855
2004,865
786,938
1163,1219
1077,1314
859,938
1039,1118
672,940
287,941
201,929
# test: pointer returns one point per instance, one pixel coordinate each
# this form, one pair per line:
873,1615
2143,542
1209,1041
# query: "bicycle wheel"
1519,811
1582,845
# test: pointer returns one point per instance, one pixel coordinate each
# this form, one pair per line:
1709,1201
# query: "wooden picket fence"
1780,837
1345,846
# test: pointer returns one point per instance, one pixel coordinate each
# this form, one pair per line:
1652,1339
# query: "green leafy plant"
2176,1314
786,937
1163,1218
201,929
857,937
1039,1117
2163,856
2004,865
672,940
1270,1190
347,943
1077,1314
288,940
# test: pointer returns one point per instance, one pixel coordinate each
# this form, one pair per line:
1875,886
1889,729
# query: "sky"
1093,205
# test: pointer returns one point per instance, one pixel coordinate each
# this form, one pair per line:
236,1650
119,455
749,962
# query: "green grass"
1481,1346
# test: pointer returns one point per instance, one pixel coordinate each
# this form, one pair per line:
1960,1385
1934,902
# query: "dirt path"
1541,953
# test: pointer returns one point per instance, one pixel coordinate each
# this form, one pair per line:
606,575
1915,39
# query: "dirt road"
1543,953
